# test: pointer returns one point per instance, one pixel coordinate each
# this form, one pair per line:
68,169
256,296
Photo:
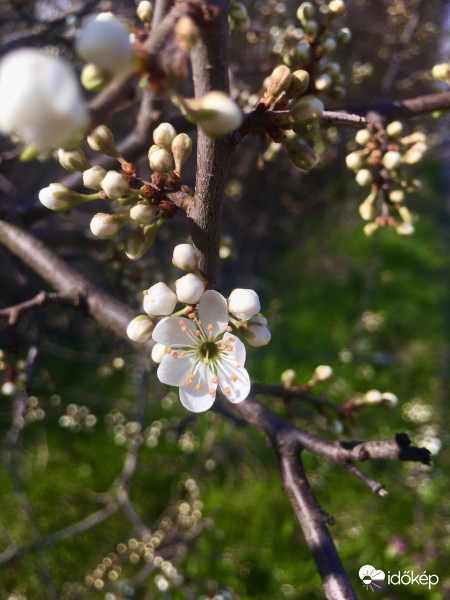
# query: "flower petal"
238,348
213,310
197,397
169,332
234,381
174,371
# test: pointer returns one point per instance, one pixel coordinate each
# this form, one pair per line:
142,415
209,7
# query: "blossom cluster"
195,347
380,163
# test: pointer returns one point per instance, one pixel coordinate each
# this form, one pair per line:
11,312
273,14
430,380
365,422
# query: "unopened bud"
364,177
301,155
93,177
394,129
143,213
279,81
396,196
189,289
185,257
367,210
59,198
336,8
73,160
152,149
93,79
299,83
370,228
104,225
441,72
288,378
159,300
115,185
311,27
158,352
161,161
186,33
405,229
256,334
140,329
181,150
323,82
355,160
244,303
343,35
389,399
163,135
392,159
307,110
102,140
406,214
414,154
141,239
328,46
216,113
372,397
363,136
238,11
322,373
305,12
144,11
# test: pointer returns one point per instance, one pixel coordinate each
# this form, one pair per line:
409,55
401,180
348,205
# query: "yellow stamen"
169,350
210,327
223,346
175,355
181,322
229,329
227,390
197,333
230,348
190,376
212,392
187,383
183,353
233,378
198,387
184,328
214,380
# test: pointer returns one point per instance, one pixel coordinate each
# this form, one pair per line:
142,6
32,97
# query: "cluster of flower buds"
311,45
374,397
380,164
321,373
239,19
139,206
104,44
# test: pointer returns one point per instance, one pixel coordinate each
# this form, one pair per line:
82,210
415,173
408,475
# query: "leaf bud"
301,155
305,12
392,159
279,81
115,185
394,129
186,33
185,257
159,351
343,36
159,300
143,213
144,11
299,83
161,161
364,177
140,329
93,79
244,303
73,160
363,136
181,150
307,110
288,378
104,225
102,140
93,177
189,289
163,135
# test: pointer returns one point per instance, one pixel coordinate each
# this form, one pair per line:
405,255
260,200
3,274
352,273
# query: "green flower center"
208,350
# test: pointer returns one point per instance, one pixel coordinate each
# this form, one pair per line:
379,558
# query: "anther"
187,383
229,329
183,353
190,376
181,322
210,327
212,391
169,350
197,333
198,387
227,390
223,345
184,328
232,339
175,355
229,348
233,378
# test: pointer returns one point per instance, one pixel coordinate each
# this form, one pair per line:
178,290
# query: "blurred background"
202,513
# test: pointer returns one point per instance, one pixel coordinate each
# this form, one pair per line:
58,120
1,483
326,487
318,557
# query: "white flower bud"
394,129
8,388
93,177
102,140
185,257
364,177
279,81
336,8
94,79
328,46
244,303
406,214
367,210
256,334
323,82
343,35
140,329
104,225
186,33
40,100
288,378
301,155
143,213
181,150
305,12
163,135
414,154
73,160
159,300
115,185
396,196
355,160
441,72
372,397
59,198
392,159
216,113
363,136
307,110
161,161
158,352
322,373
144,11
370,228
389,399
299,83
189,289
405,229
105,42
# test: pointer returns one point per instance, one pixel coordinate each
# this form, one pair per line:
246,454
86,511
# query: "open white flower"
201,354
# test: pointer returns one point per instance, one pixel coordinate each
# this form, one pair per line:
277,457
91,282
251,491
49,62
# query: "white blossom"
40,100
105,42
202,354
243,303
189,289
159,300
